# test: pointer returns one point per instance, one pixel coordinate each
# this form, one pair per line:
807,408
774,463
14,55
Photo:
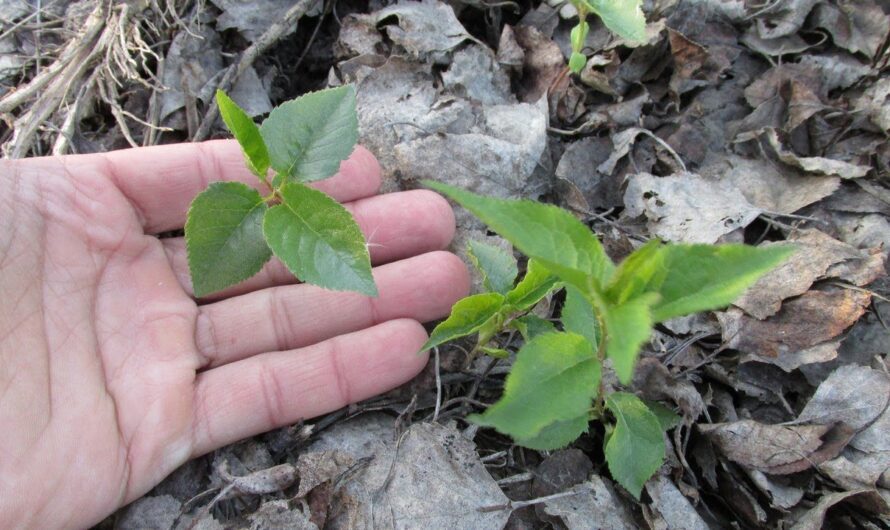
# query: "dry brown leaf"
656,383
784,18
542,64
814,164
778,449
856,395
803,322
694,64
858,27
818,256
867,498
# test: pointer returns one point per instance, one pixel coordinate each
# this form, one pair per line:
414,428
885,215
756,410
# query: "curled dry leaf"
868,499
815,164
778,449
858,27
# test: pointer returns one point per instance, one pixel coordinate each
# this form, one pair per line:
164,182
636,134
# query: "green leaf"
319,241
224,236
578,316
624,17
246,132
544,232
535,285
667,418
309,136
628,326
498,353
498,267
557,434
703,277
467,317
554,378
635,449
530,326
641,272
577,62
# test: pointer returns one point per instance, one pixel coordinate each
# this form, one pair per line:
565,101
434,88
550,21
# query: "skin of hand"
112,374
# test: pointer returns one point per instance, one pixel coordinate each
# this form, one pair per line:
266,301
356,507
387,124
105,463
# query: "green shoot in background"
232,230
623,17
554,387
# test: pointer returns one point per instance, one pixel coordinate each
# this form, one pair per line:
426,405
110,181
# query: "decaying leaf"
819,256
686,207
594,505
786,18
434,459
425,30
856,395
874,103
804,322
858,27
315,468
864,498
252,18
778,449
815,164
694,64
769,186
543,61
669,504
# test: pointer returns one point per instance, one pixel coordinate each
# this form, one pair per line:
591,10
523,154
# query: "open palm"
112,375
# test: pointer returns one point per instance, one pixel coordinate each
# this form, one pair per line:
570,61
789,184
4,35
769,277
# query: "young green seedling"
623,17
232,230
554,387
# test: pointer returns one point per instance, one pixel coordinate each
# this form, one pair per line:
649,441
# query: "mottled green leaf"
544,232
628,327
703,277
557,434
224,236
530,326
635,450
498,267
535,285
308,137
246,132
319,241
624,17
578,316
554,379
467,317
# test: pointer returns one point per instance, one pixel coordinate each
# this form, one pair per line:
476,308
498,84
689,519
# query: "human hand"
111,375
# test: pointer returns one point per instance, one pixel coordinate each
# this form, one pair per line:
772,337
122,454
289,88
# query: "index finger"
161,181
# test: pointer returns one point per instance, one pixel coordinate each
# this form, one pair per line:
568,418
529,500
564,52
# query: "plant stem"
600,404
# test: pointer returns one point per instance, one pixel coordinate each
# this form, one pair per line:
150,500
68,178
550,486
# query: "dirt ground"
734,122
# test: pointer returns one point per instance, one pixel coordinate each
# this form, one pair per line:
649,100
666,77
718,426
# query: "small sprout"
232,230
553,389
